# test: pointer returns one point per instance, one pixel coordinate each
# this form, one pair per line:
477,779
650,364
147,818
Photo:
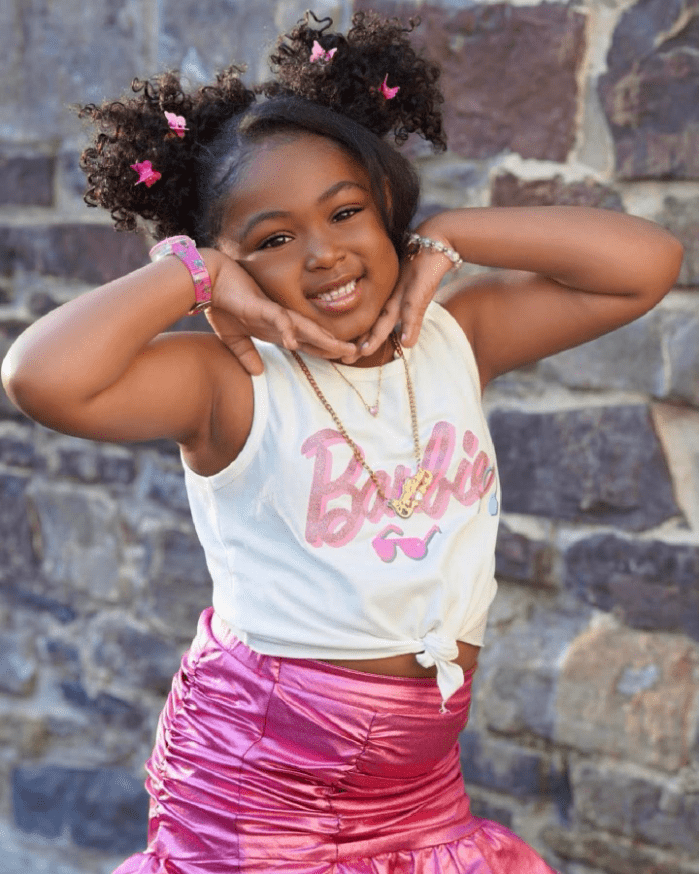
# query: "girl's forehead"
289,169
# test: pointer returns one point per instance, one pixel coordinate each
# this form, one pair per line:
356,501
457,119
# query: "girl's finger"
244,350
382,327
412,312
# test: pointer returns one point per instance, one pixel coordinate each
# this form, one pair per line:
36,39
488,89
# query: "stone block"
21,453
508,190
201,38
103,809
522,559
91,464
677,427
486,113
137,657
179,585
650,92
683,355
648,584
611,854
80,549
111,710
630,359
600,465
506,767
681,217
18,665
93,254
167,487
629,695
55,55
26,181
518,674
19,560
635,807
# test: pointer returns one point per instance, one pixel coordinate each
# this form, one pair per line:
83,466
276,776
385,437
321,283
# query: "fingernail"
365,345
404,338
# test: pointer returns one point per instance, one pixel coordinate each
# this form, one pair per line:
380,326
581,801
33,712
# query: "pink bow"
146,173
387,92
176,123
319,53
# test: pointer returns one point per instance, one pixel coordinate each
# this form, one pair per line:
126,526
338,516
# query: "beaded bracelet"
426,243
185,249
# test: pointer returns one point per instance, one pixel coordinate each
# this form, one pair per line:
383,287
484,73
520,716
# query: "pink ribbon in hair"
146,173
320,54
387,92
176,123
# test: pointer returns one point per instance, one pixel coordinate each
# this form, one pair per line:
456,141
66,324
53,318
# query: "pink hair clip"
146,173
388,93
176,123
320,54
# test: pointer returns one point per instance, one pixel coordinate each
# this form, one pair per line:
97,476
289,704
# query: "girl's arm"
99,367
586,272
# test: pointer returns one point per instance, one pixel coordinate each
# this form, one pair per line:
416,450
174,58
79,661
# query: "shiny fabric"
269,764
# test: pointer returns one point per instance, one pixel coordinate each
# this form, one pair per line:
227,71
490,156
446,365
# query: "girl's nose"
322,252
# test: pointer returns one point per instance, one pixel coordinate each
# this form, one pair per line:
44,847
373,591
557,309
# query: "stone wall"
584,736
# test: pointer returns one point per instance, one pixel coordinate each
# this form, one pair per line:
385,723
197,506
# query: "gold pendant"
412,493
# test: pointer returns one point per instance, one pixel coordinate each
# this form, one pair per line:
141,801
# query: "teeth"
338,292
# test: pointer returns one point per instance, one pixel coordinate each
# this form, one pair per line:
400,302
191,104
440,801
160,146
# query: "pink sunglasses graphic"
413,547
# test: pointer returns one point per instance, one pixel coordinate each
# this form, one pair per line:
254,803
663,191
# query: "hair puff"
350,82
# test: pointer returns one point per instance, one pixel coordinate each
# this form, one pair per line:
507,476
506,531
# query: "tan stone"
630,695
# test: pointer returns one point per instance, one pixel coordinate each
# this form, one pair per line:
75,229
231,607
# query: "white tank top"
306,558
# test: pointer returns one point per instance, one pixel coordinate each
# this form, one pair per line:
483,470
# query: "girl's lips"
339,300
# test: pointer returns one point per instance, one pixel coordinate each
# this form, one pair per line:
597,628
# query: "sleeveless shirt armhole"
455,333
260,416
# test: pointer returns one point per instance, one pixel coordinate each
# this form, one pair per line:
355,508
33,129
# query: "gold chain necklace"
374,409
415,486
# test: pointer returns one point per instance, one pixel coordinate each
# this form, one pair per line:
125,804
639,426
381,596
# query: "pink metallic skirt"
269,764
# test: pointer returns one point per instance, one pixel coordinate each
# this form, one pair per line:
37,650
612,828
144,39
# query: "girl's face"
303,223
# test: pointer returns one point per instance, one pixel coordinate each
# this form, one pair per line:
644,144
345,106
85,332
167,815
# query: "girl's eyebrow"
280,213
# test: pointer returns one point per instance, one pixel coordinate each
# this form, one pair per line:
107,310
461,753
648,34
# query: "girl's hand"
241,310
419,278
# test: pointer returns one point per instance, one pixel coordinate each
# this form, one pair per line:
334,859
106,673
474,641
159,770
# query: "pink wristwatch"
185,249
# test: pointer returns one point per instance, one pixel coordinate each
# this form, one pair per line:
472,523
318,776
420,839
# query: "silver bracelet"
426,243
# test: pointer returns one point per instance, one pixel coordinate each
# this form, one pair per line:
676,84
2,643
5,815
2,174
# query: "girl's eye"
346,213
274,242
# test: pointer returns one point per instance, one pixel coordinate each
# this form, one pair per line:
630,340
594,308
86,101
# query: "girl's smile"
303,223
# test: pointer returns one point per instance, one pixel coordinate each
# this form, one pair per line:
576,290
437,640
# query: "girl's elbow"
666,270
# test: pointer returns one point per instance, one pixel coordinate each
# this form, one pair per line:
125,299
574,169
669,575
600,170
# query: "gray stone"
26,181
486,112
167,487
522,559
650,92
630,358
201,38
683,355
95,465
517,679
58,54
104,809
180,585
506,767
600,465
21,453
637,808
18,554
111,710
141,659
18,665
508,190
681,217
93,254
648,584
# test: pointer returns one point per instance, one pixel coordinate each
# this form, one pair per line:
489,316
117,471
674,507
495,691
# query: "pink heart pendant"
374,410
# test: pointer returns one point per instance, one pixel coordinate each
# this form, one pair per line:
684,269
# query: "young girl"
341,476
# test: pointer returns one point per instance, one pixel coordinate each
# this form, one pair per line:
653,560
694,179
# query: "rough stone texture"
637,808
650,91
508,190
18,667
523,559
648,584
517,681
88,253
26,181
602,465
87,53
104,809
677,427
681,217
629,695
486,112
630,358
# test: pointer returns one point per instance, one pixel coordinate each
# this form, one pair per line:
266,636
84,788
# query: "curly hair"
339,99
